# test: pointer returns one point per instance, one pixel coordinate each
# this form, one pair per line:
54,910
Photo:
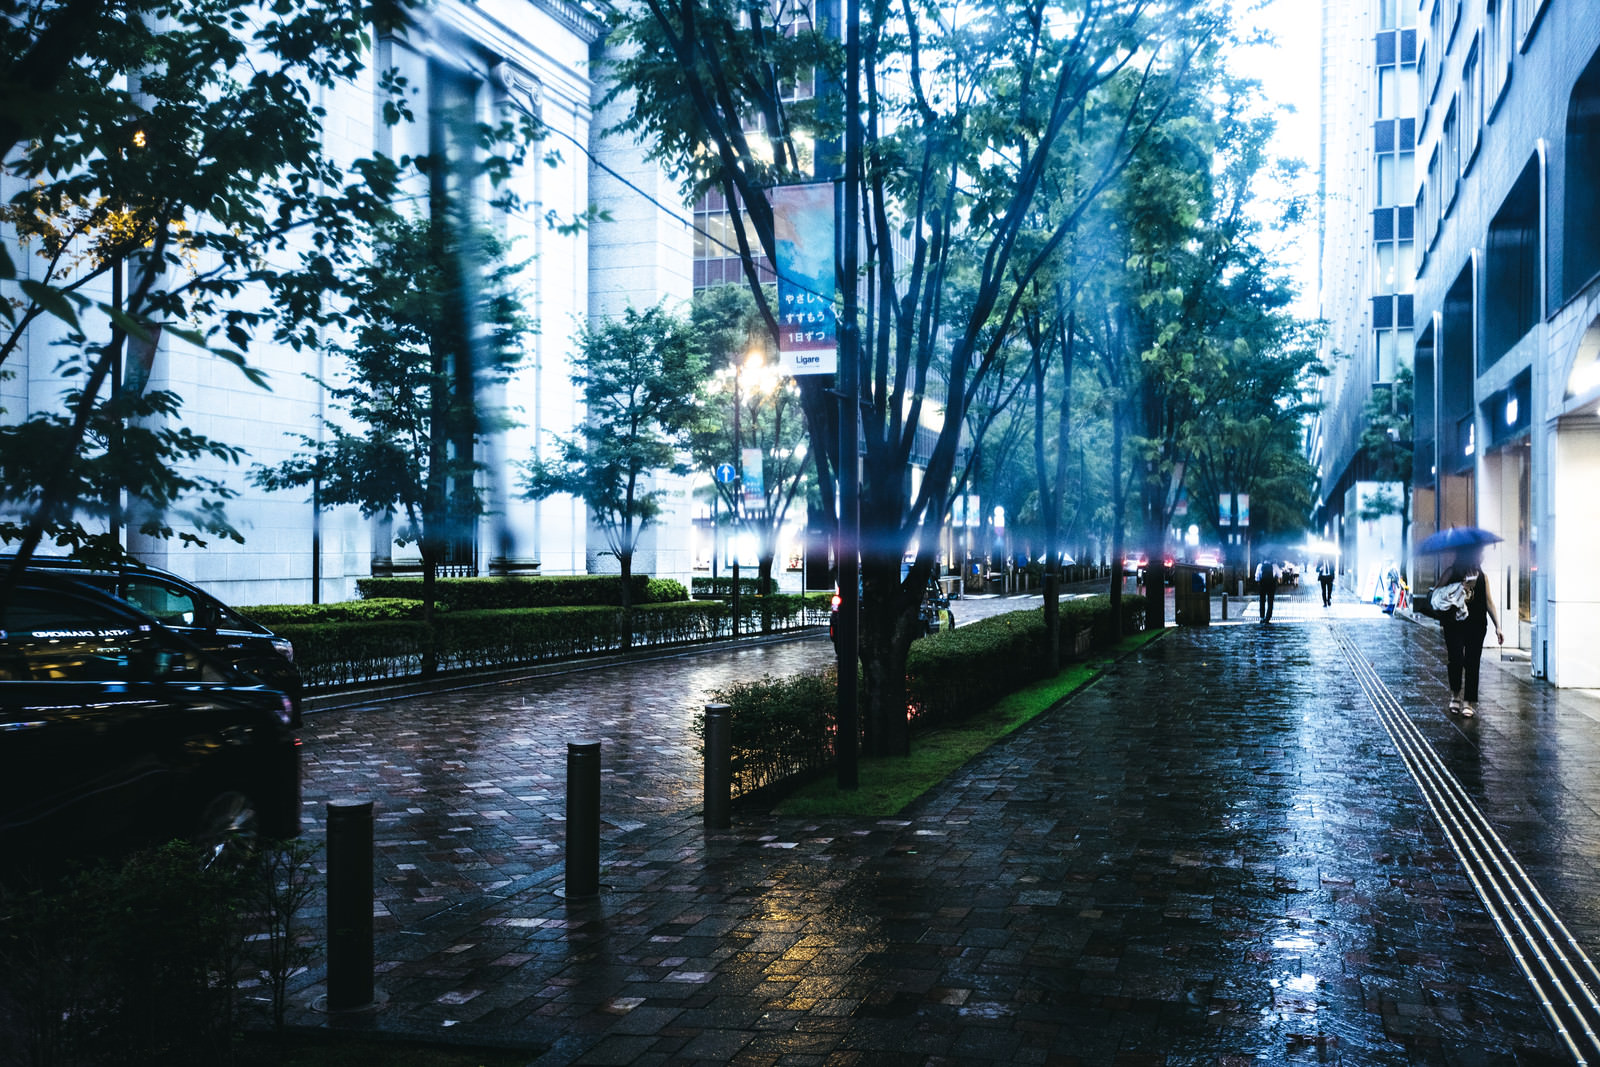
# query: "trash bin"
1191,594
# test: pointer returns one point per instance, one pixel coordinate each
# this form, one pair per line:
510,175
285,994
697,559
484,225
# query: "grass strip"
887,785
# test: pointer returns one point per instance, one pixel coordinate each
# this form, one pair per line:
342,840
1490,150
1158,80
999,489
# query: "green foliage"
331,654
471,594
139,960
378,610
954,672
780,728
724,586
416,415
130,962
638,376
664,591
180,144
966,123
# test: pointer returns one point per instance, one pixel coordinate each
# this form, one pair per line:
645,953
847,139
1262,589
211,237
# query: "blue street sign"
725,473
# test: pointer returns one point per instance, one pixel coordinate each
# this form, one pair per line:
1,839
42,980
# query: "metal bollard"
349,905
583,819
1224,607
719,767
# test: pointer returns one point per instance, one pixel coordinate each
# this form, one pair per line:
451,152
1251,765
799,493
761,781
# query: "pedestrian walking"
1466,609
1266,588
1325,578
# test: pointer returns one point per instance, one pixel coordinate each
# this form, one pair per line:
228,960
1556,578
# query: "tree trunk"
430,579
885,638
1119,511
625,561
764,591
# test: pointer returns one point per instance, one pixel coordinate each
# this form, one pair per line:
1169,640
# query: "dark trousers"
1463,646
1268,594
1327,588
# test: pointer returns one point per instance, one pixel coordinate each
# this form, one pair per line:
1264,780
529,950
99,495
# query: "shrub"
347,653
724,586
384,609
475,594
780,728
664,591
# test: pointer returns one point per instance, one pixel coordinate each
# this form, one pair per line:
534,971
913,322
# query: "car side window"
167,604
66,640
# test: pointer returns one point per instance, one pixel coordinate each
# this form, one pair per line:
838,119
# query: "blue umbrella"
1458,537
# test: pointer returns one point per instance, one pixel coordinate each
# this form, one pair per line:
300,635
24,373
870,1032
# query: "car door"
78,755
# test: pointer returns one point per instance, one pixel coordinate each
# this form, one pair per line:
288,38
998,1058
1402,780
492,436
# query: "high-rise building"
1369,113
484,61
1507,309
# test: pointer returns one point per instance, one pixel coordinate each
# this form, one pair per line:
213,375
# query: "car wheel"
226,832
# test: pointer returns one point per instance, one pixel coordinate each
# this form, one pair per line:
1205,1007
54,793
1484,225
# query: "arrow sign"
725,473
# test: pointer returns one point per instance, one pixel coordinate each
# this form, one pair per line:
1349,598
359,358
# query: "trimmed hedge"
783,728
665,591
724,586
335,653
385,609
780,728
475,594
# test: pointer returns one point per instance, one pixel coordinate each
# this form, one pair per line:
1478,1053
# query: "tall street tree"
962,114
638,376
748,406
395,448
165,152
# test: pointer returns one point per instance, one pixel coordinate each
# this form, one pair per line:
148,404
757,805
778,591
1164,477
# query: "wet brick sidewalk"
1212,855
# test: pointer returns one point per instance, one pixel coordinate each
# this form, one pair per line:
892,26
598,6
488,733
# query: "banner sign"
755,488
802,219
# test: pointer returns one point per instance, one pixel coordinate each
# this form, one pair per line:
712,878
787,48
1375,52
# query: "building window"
1450,166
1436,47
1429,201
1421,87
1497,49
1408,92
1383,268
1387,356
1528,12
1405,267
1580,199
1471,105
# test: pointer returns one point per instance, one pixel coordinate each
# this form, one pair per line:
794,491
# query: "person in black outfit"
1325,577
1463,638
1266,588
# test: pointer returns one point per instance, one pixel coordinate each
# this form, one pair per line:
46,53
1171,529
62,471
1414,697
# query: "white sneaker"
1455,706
1466,710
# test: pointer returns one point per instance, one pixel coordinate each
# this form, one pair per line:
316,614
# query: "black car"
183,608
116,732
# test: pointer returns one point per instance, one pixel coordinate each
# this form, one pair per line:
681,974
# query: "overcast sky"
1290,72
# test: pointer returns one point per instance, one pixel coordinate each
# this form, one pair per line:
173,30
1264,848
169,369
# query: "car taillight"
837,600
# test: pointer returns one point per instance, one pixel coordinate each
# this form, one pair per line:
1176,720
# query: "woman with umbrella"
1466,621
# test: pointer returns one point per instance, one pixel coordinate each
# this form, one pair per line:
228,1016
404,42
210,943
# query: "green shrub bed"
334,649
476,594
724,586
783,728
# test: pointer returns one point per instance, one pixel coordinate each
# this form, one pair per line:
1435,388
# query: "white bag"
1449,599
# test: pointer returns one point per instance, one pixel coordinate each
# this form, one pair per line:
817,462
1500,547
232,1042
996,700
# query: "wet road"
1215,854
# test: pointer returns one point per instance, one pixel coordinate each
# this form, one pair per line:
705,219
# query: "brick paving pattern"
1211,855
